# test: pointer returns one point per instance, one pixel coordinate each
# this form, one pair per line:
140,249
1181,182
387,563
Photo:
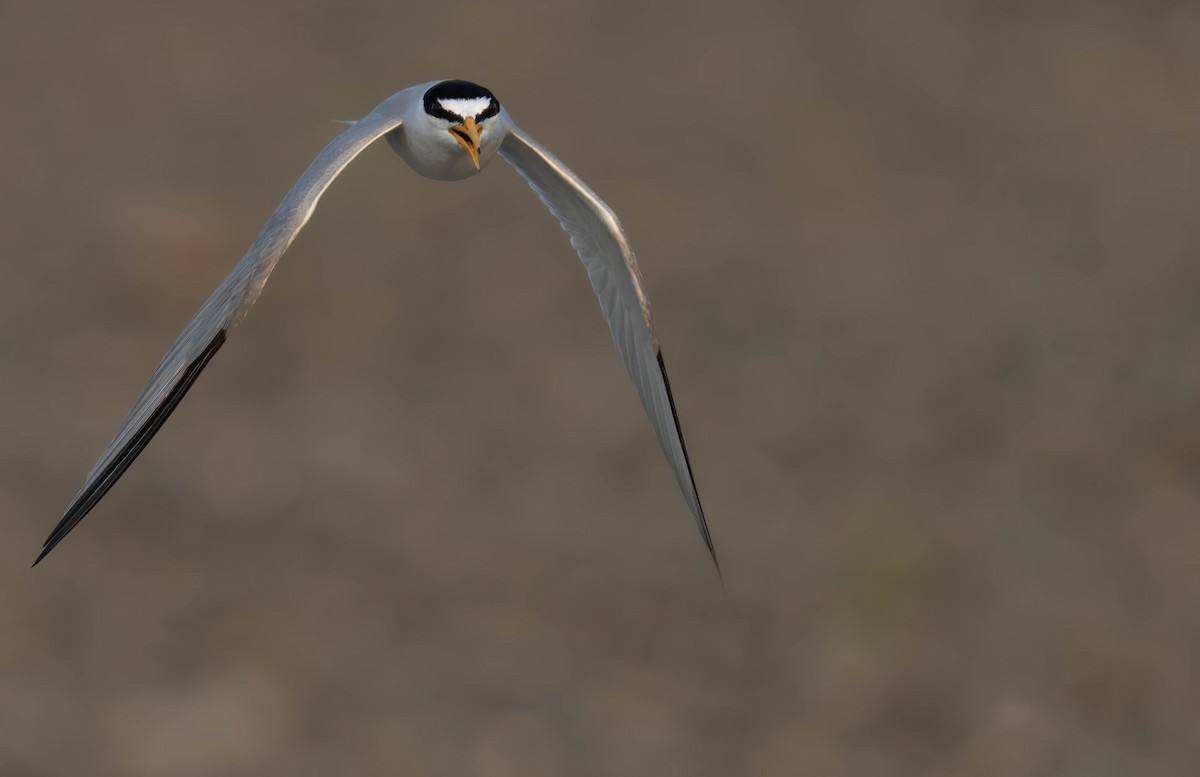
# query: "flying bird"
448,131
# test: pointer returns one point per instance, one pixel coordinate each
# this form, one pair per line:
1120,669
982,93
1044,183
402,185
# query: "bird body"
423,139
444,130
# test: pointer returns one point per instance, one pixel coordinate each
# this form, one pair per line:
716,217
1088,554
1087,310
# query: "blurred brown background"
926,276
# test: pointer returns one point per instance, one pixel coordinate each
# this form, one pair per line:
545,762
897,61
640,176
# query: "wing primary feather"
107,477
613,272
227,306
701,522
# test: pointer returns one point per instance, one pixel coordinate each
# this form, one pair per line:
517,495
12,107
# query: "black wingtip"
712,551
702,522
717,564
41,556
105,480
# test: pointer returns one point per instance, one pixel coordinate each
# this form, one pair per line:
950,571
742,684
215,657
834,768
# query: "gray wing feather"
223,311
613,271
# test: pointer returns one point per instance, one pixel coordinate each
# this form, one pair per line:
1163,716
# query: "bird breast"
434,153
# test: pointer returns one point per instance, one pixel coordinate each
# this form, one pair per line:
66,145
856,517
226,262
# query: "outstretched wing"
613,270
207,330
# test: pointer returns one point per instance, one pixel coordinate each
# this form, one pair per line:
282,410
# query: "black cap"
459,90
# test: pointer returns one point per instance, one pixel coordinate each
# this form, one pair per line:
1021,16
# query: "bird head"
463,109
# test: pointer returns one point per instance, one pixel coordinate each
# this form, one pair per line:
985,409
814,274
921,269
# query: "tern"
448,131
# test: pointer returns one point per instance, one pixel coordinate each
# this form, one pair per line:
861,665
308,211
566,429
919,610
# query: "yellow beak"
467,134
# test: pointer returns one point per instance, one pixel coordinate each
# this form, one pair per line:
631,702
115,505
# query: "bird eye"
490,111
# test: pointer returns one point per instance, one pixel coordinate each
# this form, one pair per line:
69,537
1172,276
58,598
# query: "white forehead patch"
465,106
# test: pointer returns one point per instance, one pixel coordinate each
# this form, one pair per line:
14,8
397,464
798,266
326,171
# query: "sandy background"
926,275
